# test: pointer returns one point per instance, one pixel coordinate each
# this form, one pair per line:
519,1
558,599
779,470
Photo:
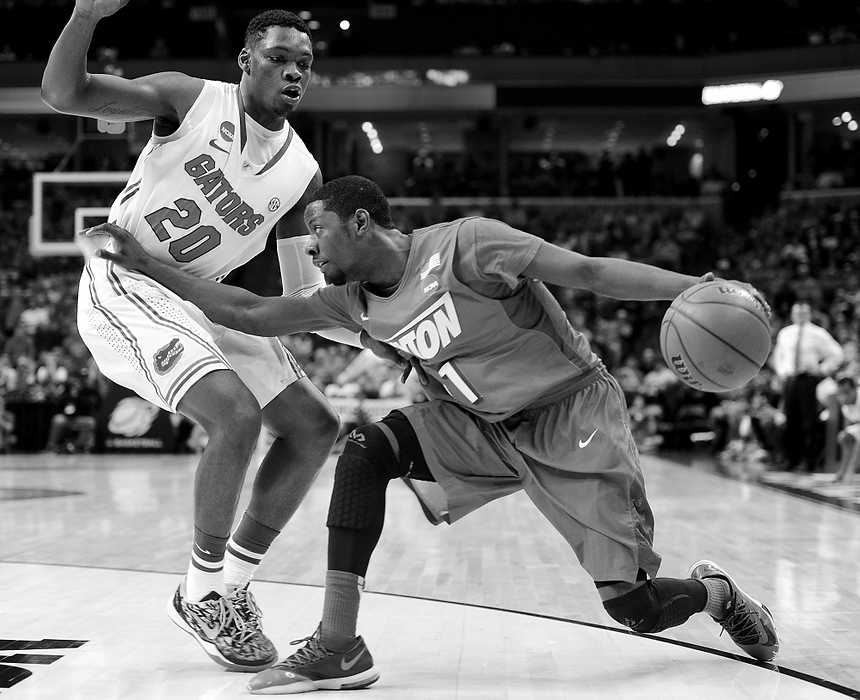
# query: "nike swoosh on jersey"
584,443
215,145
346,665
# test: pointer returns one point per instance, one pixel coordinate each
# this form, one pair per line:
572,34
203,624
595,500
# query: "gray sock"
340,609
718,593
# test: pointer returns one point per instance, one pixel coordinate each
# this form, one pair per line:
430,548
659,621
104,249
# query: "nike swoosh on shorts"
584,443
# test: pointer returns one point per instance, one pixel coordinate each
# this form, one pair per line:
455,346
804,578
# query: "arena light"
837,121
344,25
846,116
852,125
676,135
372,137
733,93
449,78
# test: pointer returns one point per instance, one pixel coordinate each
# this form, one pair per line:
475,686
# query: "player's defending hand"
126,250
97,9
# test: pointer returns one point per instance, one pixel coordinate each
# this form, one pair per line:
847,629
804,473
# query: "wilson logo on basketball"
685,374
165,358
431,331
227,130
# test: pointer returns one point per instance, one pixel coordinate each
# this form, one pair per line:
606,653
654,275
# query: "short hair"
273,18
345,195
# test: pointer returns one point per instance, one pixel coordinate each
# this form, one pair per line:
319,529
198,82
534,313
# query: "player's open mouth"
294,92
319,263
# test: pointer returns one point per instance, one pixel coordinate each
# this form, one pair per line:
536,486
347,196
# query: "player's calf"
658,604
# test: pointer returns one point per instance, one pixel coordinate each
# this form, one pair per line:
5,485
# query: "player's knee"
360,479
240,418
656,605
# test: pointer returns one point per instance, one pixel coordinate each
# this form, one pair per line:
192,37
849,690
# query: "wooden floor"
92,546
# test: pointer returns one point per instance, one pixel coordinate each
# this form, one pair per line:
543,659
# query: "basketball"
715,336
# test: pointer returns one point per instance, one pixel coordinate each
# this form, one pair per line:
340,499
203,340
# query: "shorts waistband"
563,392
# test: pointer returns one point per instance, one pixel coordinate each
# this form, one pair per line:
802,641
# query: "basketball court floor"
494,607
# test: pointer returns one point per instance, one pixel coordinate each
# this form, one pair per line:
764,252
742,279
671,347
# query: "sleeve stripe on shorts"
123,330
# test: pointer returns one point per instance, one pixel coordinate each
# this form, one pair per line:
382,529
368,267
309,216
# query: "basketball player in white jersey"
222,169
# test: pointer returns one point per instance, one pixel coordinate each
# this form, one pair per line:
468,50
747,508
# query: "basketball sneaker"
246,608
220,631
748,622
314,667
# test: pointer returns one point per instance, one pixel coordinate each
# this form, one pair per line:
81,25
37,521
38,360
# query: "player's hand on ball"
96,9
758,296
126,250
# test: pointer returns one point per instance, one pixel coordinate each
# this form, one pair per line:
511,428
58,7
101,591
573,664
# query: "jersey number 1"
449,371
186,215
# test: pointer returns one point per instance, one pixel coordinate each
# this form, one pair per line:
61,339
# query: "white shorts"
146,338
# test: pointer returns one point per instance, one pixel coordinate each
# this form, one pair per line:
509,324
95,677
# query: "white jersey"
197,199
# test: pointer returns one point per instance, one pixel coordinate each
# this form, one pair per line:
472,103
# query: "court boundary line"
765,486
773,668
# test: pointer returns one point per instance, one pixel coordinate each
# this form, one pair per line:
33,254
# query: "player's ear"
245,60
362,222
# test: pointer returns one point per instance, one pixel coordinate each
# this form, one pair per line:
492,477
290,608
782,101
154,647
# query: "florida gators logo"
165,358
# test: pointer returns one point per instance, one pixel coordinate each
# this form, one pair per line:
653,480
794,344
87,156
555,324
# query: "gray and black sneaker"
314,667
220,631
246,608
748,622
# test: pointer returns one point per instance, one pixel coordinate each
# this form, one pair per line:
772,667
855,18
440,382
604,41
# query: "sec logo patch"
274,204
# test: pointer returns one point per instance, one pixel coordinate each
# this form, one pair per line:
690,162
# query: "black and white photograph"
429,350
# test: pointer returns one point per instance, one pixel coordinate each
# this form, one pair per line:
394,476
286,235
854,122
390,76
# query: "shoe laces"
311,652
741,623
246,607
222,613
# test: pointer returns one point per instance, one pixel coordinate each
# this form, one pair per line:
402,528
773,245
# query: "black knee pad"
360,479
658,604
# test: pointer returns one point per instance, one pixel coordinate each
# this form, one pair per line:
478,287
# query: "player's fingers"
419,371
107,255
97,230
406,372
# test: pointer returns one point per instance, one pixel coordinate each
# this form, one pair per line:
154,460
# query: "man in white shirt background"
804,353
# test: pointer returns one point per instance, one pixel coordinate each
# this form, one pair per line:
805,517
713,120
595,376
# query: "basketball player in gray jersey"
517,401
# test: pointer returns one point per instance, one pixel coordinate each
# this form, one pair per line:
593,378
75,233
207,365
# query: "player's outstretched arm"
230,306
67,86
299,277
611,277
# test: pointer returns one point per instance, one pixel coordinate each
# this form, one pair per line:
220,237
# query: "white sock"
199,583
718,594
240,565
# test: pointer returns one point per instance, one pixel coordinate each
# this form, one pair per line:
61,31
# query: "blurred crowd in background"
801,250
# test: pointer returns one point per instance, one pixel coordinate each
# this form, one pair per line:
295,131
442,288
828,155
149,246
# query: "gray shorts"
576,460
